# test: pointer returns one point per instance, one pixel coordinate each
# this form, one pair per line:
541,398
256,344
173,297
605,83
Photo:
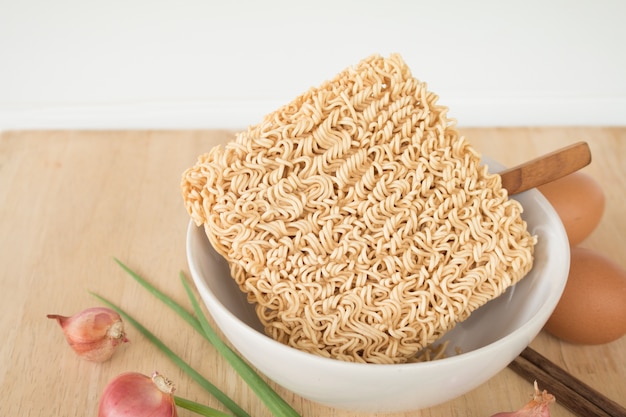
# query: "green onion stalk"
274,402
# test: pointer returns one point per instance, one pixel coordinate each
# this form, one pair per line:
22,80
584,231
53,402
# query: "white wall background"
224,64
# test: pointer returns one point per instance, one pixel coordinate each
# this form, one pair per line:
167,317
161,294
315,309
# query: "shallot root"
539,406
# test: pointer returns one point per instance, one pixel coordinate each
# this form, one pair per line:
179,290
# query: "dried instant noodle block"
358,220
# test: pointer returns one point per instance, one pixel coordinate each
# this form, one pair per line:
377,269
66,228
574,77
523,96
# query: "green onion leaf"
204,383
272,400
180,310
276,404
197,408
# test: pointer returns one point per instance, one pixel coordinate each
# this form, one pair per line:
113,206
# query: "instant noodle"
358,220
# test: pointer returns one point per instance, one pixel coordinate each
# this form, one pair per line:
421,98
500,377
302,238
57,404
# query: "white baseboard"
483,112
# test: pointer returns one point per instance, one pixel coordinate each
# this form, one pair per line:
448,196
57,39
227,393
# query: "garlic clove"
94,333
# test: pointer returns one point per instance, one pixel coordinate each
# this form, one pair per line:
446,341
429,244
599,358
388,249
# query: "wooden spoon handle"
546,168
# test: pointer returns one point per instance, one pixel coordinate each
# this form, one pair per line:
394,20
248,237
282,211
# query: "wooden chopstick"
546,168
569,391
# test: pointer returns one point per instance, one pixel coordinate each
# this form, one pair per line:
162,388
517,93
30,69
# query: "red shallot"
539,406
94,333
133,394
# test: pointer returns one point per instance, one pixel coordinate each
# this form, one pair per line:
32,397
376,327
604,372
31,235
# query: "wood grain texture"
71,200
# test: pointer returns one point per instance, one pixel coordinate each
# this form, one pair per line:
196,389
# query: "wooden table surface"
70,201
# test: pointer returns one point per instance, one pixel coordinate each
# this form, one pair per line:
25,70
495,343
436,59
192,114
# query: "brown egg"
592,309
579,201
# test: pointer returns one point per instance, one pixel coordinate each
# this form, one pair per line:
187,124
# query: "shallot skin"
133,394
94,333
539,406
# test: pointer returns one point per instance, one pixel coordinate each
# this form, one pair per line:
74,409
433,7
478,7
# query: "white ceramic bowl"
490,339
